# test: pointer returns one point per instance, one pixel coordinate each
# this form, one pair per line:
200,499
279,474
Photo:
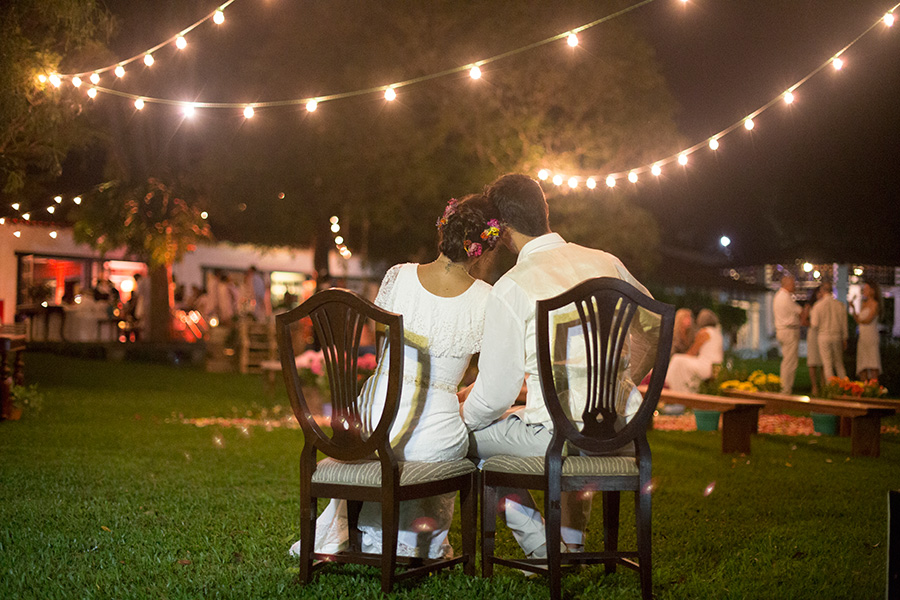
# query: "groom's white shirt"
546,267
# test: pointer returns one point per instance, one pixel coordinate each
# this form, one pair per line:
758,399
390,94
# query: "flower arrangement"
757,381
843,386
311,368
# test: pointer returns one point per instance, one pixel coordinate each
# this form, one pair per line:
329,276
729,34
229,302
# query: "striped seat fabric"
572,466
368,472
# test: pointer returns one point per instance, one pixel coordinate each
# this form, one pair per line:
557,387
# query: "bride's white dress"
441,335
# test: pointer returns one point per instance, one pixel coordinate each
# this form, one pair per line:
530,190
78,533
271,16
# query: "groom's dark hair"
521,203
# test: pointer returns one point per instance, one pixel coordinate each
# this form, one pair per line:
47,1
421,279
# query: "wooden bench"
739,415
864,417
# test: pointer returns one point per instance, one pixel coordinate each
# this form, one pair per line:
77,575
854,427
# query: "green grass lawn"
105,493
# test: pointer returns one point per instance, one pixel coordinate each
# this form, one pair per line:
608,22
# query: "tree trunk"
161,301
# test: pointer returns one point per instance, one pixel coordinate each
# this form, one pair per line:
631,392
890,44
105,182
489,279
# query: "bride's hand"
462,394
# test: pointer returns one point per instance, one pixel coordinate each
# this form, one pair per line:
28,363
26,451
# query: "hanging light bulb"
475,73
572,40
888,19
26,216
92,92
51,209
611,181
76,81
248,112
95,78
188,110
204,215
55,80
15,205
77,199
573,182
180,42
2,220
57,199
312,105
714,144
148,59
749,124
219,17
557,179
788,98
120,71
339,240
633,177
543,174
682,159
335,227
139,103
591,183
42,78
656,170
53,234
838,64
390,94
333,219
17,233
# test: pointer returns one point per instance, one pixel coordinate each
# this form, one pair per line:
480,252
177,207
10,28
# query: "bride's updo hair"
468,228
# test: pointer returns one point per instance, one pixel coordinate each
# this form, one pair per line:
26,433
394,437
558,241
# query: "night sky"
817,180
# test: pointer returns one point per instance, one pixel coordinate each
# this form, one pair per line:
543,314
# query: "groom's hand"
462,394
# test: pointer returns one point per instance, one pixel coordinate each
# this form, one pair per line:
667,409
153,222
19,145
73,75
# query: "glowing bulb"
475,73
807,267
26,216
838,64
120,71
748,124
248,112
188,110
632,177
611,181
57,199
682,159
656,170
204,215
714,144
816,274
95,78
180,42
543,174
725,241
53,234
573,182
17,233
51,209
557,179
2,220
15,205
333,220
788,98
889,19
339,240
148,60
857,271
219,17
139,103
77,199
92,92
591,183
76,81
390,94
54,80
312,105
572,40
335,227
42,78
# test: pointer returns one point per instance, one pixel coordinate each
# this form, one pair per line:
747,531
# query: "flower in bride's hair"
448,212
473,249
491,234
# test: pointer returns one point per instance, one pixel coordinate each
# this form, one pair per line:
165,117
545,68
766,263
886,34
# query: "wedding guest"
683,336
688,369
813,355
868,354
829,316
787,330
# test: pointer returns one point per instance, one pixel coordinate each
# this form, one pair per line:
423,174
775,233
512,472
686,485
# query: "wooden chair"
596,317
360,464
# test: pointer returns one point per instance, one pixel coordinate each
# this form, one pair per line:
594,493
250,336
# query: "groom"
546,266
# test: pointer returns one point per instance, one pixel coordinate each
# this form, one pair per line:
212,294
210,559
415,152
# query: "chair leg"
468,500
390,521
611,526
488,527
553,528
307,537
353,532
642,518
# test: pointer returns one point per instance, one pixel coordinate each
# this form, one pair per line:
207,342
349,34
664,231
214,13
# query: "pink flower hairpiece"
448,212
491,233
473,249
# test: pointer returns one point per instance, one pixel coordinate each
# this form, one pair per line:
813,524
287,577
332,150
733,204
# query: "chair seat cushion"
572,465
368,472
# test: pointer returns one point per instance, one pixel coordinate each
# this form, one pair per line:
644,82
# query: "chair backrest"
595,342
338,317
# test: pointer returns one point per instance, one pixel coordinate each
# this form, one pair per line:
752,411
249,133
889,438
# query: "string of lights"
311,103
713,142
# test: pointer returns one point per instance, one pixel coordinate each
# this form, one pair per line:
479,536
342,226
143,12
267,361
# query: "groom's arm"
501,366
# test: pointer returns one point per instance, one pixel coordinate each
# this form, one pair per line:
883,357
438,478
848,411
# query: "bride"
443,317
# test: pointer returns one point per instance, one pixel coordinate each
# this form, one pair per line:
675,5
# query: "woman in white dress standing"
868,355
443,317
687,370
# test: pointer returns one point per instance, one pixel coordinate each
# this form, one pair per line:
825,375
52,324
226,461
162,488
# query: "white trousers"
832,351
789,340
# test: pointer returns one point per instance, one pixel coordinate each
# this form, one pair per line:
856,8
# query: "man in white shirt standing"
546,266
830,316
787,330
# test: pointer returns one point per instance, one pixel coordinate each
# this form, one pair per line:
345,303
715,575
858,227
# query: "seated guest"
683,336
687,370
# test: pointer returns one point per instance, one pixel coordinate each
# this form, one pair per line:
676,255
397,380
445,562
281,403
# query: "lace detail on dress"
385,296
